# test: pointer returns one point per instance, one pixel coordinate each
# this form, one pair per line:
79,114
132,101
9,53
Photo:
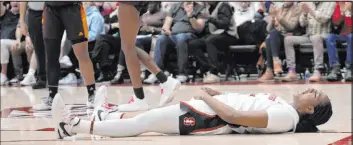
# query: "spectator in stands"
221,33
95,23
107,45
31,25
284,21
11,42
105,8
251,31
342,21
167,5
316,18
183,22
30,76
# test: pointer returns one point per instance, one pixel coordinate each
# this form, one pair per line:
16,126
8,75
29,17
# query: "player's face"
306,100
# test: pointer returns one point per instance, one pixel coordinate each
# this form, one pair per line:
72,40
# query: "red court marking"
345,141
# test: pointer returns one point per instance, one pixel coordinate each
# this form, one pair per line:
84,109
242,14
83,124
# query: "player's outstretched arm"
257,119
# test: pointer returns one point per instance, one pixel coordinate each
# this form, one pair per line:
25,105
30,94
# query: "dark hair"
322,113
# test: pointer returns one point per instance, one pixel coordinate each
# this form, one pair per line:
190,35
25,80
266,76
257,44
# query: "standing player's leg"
161,120
75,22
129,24
52,33
35,30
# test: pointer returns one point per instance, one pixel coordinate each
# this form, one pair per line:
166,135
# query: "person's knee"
349,36
81,52
316,40
330,37
161,39
289,41
273,32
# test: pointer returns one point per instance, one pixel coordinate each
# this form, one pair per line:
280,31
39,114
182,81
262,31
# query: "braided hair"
322,113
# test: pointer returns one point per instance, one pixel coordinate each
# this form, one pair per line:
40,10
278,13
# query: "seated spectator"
167,5
151,26
95,23
11,42
30,76
105,8
107,45
251,31
221,33
316,19
342,21
182,23
284,21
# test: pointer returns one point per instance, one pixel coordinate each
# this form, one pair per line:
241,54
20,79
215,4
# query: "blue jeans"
332,52
178,41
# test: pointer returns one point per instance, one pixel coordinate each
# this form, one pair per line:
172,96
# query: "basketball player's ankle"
53,91
162,78
91,89
139,93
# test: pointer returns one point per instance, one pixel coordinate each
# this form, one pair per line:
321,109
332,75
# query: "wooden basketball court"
21,126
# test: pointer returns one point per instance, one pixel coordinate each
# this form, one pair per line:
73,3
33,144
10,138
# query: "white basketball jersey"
282,117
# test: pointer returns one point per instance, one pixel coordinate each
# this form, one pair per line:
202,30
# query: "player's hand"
24,28
115,25
211,92
16,46
167,32
305,7
29,44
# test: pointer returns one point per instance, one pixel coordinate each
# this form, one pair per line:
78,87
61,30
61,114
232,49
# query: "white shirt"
282,117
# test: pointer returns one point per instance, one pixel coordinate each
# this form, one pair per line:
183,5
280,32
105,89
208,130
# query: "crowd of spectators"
177,34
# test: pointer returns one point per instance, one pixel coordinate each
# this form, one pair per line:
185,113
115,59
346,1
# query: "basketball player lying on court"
209,113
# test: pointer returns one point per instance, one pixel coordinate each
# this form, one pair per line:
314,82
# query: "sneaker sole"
97,106
57,105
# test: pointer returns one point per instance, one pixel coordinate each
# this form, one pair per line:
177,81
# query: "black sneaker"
40,84
334,75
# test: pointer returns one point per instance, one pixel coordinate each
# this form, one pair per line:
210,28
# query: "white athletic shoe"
65,62
62,118
28,80
135,104
101,106
44,105
90,101
3,79
68,79
151,79
169,90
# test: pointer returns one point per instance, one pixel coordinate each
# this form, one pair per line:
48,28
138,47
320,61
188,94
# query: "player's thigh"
75,22
52,25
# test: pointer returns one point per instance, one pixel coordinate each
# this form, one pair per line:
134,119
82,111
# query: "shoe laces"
132,100
106,105
68,116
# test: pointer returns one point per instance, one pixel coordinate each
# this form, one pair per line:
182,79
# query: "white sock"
114,116
31,72
82,127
